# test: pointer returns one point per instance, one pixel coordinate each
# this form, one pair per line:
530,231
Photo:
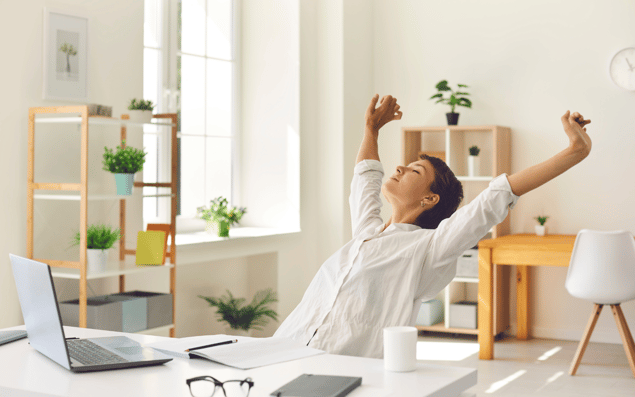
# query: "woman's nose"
400,168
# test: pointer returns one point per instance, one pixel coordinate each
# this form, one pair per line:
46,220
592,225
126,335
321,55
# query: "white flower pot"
140,116
473,165
96,260
541,230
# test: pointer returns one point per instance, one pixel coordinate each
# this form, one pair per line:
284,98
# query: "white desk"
26,372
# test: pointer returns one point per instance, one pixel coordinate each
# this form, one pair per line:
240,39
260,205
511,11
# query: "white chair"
602,270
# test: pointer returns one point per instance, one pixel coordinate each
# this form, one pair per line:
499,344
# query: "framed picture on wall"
65,56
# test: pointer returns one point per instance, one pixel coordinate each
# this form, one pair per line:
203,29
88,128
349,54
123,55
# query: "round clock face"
622,68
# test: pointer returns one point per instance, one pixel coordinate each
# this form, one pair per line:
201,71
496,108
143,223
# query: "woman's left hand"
574,126
387,111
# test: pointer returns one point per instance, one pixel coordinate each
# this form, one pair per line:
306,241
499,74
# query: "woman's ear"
430,200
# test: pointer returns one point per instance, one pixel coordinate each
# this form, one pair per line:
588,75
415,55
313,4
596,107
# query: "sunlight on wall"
445,351
497,385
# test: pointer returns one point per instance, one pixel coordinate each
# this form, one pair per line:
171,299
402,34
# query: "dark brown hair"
450,193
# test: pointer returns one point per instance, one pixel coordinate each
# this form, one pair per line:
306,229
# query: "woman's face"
410,184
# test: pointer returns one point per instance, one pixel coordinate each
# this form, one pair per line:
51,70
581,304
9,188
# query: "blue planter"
124,184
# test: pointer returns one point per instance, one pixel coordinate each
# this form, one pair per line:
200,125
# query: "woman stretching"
379,278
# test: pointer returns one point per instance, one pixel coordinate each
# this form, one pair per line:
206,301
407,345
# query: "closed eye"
417,172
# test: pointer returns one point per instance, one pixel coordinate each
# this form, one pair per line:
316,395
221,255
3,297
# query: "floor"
537,367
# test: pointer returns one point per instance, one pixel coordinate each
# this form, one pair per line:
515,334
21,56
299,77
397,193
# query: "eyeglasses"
208,386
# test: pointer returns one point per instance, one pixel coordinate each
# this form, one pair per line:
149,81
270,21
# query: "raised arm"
539,174
376,118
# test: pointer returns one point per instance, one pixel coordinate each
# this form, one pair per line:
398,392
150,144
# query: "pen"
212,345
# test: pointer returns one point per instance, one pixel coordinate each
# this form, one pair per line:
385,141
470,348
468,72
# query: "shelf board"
114,268
93,197
97,121
151,331
442,128
440,327
466,279
474,178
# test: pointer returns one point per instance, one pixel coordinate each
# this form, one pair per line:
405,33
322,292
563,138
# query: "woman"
378,278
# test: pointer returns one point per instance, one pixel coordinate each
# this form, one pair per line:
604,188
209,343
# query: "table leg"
485,308
522,302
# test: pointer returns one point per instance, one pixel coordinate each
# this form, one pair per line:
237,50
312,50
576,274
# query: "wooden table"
522,250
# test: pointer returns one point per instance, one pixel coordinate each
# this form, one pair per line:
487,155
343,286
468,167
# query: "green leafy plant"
240,316
455,98
219,212
541,219
474,150
99,236
140,104
126,160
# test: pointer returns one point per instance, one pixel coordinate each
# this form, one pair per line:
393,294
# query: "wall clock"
622,68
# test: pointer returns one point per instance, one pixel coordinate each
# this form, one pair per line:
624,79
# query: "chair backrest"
602,267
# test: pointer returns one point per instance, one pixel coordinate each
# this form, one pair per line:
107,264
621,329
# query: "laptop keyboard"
89,353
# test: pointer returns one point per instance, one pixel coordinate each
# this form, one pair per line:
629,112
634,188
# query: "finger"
373,103
398,115
397,107
565,119
384,99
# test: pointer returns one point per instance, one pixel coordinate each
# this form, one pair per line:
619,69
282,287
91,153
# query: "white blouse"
368,285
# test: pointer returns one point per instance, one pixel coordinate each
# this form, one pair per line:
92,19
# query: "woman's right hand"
574,126
387,111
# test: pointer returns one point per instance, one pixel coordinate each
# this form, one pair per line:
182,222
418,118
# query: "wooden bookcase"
451,143
79,115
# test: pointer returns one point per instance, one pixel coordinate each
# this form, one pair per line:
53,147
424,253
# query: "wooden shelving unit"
79,192
451,143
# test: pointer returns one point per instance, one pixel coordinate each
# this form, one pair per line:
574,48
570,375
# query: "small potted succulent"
473,161
455,99
140,110
541,229
242,318
124,163
219,217
99,239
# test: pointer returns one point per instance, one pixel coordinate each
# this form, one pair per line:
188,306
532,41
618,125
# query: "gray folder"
307,385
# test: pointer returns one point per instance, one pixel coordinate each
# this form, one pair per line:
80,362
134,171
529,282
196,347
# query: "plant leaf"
443,86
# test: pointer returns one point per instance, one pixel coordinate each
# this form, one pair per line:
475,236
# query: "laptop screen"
36,293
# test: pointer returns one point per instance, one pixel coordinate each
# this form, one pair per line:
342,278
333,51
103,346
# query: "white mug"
400,349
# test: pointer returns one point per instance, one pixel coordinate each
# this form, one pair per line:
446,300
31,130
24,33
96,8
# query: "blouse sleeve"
365,201
463,230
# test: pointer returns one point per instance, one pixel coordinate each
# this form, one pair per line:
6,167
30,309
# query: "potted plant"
140,110
124,163
219,217
99,239
541,229
242,318
454,100
473,161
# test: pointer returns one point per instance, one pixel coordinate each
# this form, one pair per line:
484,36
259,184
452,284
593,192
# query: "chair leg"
625,333
585,339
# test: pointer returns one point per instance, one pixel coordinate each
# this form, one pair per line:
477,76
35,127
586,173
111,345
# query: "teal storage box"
430,313
158,310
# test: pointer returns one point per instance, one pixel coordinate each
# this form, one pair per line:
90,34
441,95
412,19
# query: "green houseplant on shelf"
99,239
456,98
140,110
219,217
541,229
473,161
240,317
124,163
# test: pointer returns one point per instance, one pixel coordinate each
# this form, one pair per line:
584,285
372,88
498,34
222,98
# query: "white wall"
526,63
115,75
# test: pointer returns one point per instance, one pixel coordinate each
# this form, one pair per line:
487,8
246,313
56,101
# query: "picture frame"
65,56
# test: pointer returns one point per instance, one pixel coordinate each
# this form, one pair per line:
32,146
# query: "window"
190,68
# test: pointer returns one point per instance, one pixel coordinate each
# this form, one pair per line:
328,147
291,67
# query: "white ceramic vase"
541,230
96,260
140,116
473,165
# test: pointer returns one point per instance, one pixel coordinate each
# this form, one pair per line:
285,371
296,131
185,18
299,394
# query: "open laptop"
43,323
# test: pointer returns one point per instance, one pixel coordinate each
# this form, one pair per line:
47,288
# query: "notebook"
307,385
10,336
36,293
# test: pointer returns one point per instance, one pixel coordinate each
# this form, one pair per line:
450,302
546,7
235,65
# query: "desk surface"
26,372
